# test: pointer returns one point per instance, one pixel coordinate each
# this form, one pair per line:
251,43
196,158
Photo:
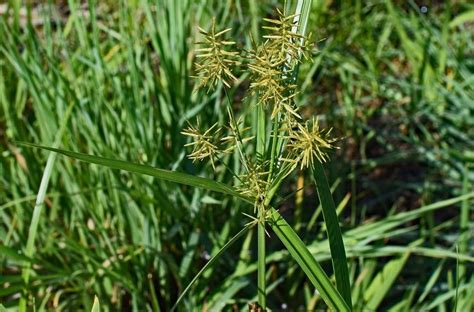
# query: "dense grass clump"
392,79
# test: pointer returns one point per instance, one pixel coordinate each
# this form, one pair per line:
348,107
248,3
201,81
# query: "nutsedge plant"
293,142
271,66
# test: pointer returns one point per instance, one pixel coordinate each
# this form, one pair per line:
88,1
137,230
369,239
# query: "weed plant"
114,80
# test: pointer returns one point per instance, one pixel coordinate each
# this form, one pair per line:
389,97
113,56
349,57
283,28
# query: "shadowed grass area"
395,83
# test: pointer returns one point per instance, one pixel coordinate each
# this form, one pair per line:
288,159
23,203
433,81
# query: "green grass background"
394,82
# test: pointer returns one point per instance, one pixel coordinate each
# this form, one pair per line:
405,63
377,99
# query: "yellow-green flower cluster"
214,61
271,66
254,184
205,144
212,143
308,142
273,63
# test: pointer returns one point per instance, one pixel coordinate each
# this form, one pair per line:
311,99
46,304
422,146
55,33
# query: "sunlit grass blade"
33,229
308,264
373,229
96,305
336,244
465,17
167,175
432,281
210,262
383,281
464,225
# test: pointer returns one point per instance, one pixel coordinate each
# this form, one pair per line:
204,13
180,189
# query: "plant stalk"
261,283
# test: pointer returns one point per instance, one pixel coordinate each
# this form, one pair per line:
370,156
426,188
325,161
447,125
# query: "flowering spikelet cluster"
271,66
214,61
212,143
236,135
307,141
205,144
254,184
266,76
273,62
287,43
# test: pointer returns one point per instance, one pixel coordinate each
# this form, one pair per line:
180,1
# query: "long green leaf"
308,264
167,175
96,305
384,280
336,244
33,229
10,253
462,18
210,262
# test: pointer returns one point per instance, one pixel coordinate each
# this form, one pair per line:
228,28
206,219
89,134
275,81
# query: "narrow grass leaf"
462,18
167,175
209,263
96,305
383,281
336,244
261,280
10,253
306,261
33,229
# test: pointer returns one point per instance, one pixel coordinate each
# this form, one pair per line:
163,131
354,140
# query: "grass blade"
9,253
33,229
96,305
305,259
336,244
167,175
384,280
210,262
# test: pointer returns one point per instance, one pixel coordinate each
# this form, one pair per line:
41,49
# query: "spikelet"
205,145
266,74
214,61
284,41
272,63
308,142
254,184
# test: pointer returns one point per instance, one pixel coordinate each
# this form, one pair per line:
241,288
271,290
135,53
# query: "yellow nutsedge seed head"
284,40
272,64
213,61
254,184
266,72
205,145
308,142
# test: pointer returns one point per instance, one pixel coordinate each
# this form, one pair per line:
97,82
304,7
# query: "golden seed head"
272,64
205,145
285,42
254,184
307,142
287,107
266,73
214,61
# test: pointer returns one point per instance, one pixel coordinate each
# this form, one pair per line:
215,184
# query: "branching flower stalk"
293,143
